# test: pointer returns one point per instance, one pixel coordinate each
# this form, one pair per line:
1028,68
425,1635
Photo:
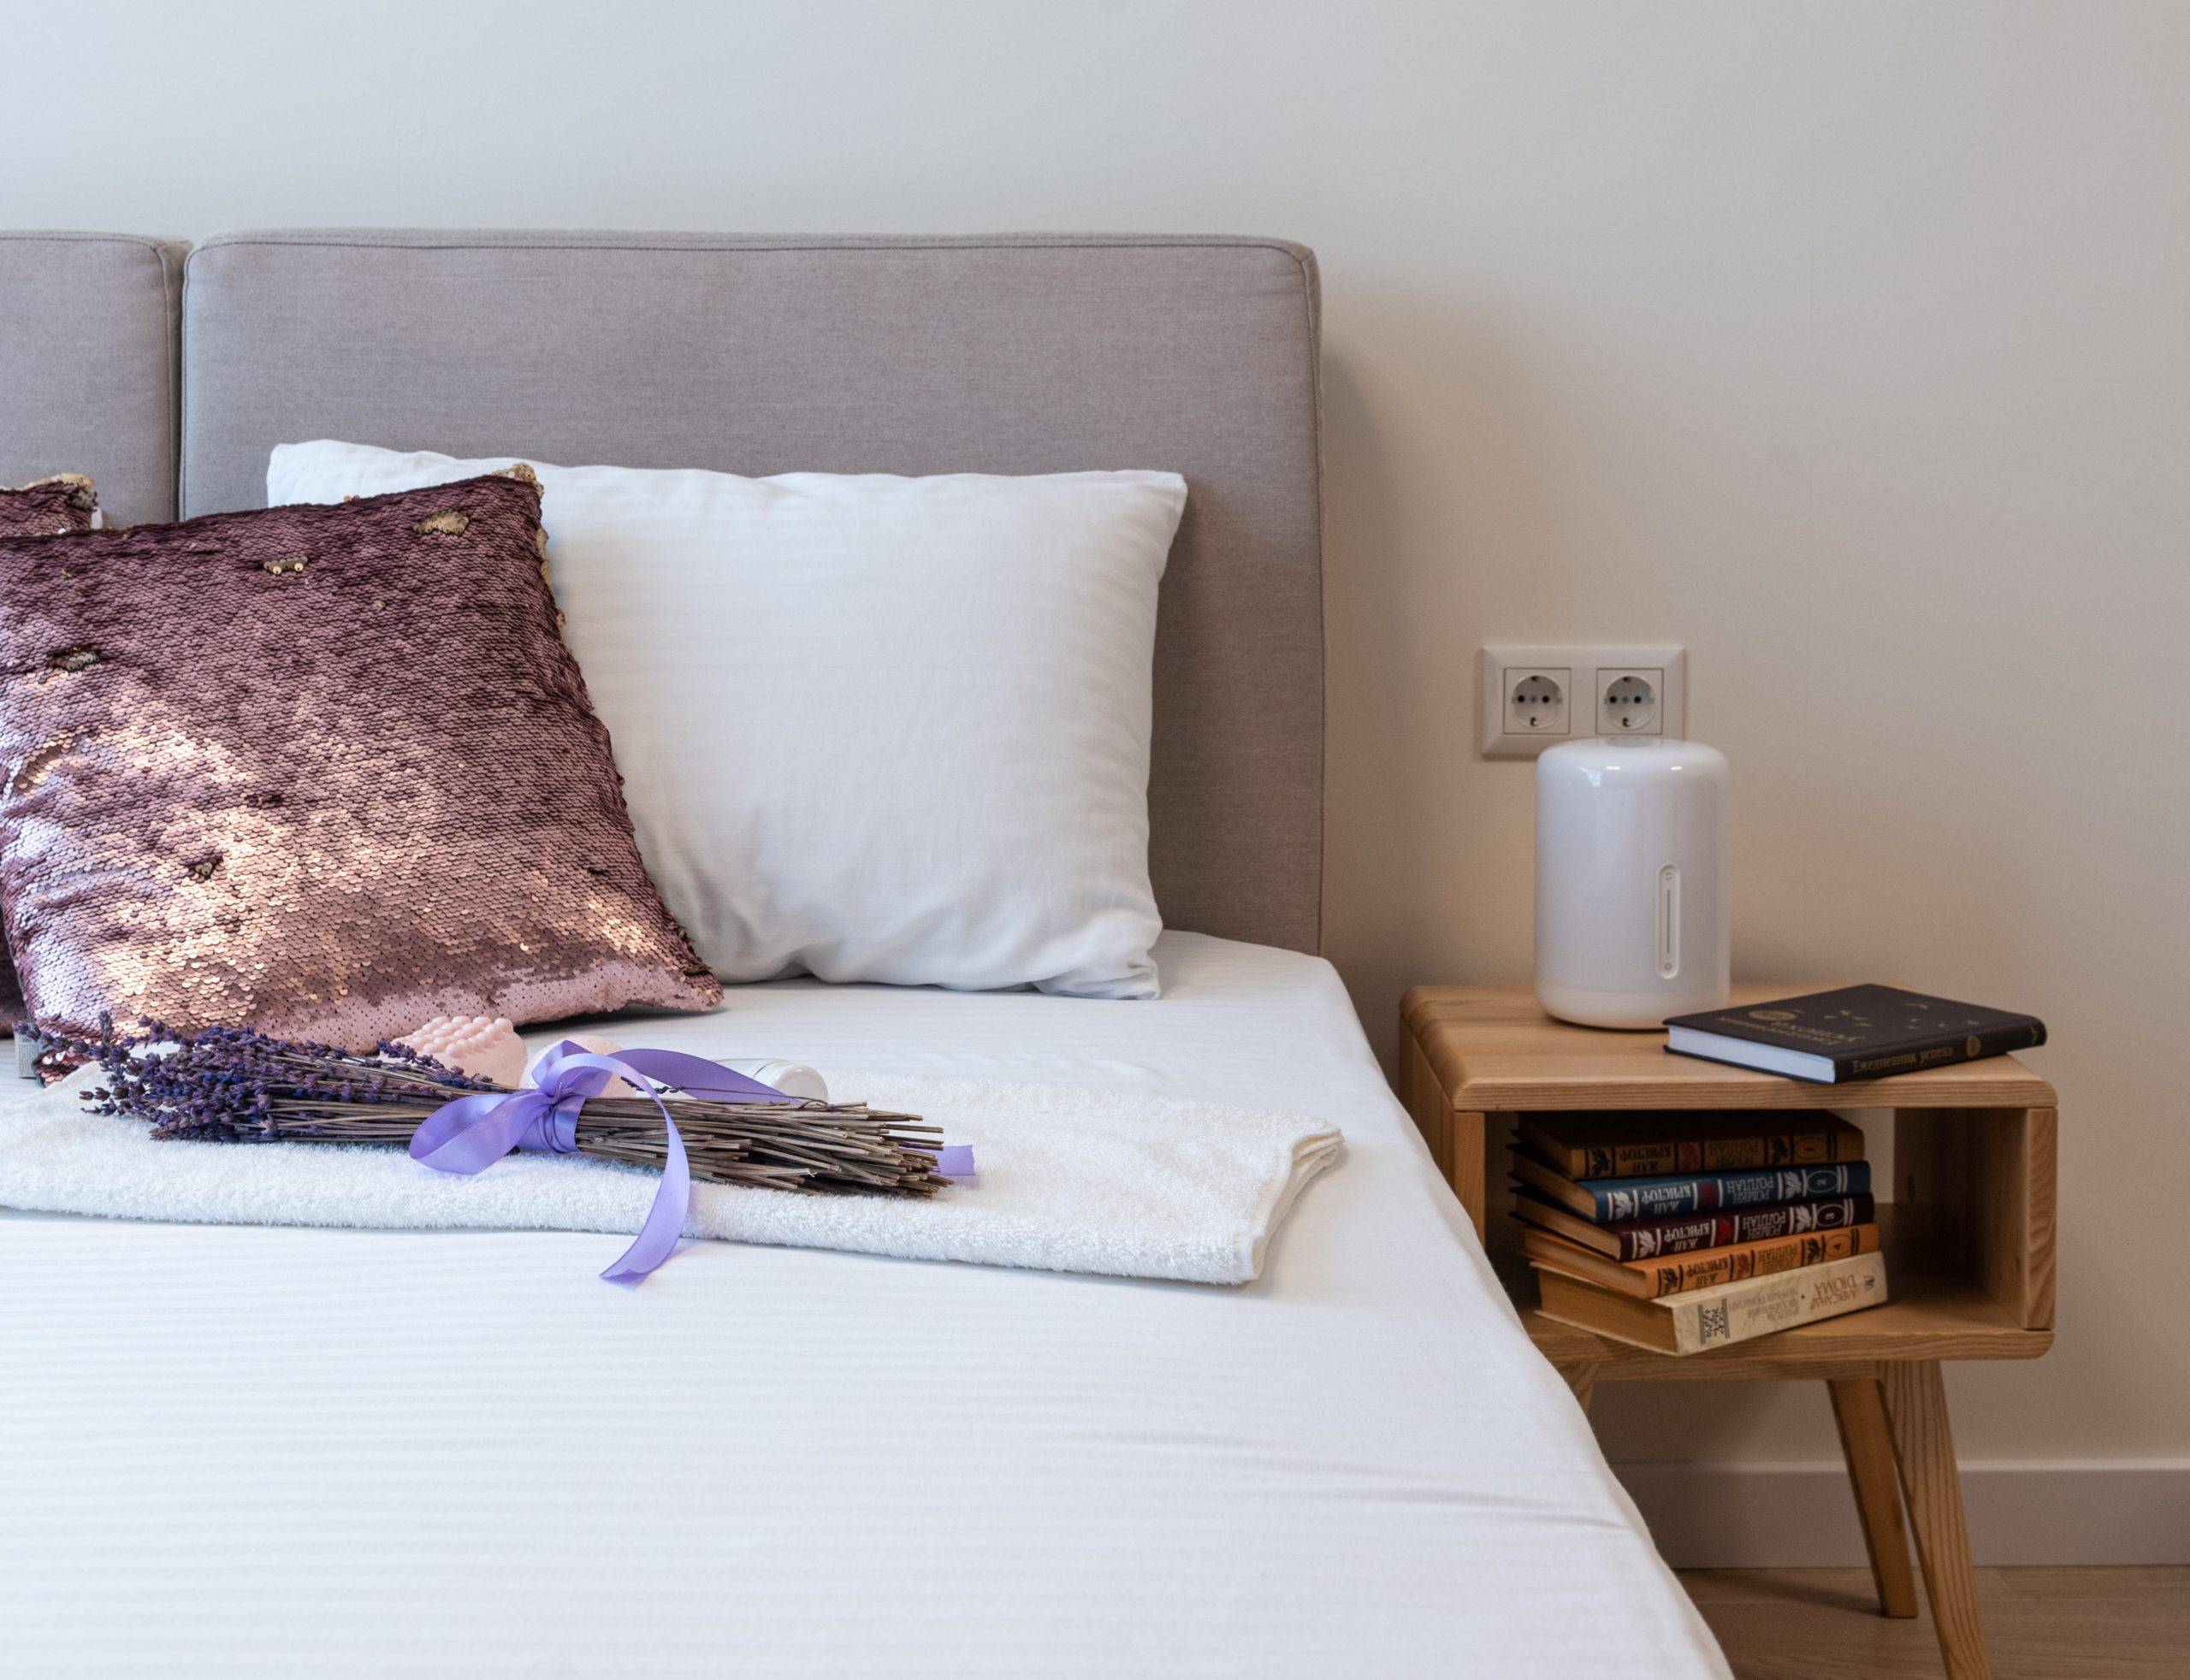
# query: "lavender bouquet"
230,1084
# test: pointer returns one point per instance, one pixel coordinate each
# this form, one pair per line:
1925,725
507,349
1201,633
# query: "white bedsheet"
239,1450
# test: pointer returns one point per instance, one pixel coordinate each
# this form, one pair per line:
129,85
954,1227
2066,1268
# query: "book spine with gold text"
1702,1271
1648,1239
1615,1200
1712,1154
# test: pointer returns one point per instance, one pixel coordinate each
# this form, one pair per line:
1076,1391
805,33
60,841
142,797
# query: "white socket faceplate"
1598,687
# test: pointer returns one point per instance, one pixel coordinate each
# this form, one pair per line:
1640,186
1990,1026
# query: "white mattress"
273,1451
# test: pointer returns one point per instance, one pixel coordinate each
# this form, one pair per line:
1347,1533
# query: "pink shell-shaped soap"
486,1048
604,1046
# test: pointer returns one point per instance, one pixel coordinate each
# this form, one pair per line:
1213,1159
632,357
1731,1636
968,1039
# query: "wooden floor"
2039,1624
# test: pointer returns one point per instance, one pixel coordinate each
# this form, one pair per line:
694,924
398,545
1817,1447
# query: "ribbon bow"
471,1134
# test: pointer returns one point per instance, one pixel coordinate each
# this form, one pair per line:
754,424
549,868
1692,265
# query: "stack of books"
1684,1231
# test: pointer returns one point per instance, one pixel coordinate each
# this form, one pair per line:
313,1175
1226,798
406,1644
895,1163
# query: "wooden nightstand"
1969,1240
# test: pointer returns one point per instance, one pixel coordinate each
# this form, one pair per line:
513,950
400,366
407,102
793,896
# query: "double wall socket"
1530,698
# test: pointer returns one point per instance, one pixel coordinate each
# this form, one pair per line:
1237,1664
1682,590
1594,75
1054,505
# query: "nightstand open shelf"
1966,1227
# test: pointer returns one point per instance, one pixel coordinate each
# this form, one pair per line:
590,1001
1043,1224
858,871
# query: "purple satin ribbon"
954,1162
471,1134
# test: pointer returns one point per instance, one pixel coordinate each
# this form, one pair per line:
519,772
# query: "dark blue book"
1857,1032
1601,1201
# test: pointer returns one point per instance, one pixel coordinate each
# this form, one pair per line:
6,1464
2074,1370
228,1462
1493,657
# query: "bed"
241,1450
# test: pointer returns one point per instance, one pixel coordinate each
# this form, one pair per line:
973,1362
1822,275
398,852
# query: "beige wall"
1847,344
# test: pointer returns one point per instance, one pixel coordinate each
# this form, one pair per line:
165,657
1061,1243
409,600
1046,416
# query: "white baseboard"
1767,1516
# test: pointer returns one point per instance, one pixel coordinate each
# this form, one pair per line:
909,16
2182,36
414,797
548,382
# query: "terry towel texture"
1071,1180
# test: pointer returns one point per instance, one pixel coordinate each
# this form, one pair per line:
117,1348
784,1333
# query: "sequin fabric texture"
324,771
50,507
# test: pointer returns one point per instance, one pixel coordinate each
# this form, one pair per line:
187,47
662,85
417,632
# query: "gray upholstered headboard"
89,325
1022,353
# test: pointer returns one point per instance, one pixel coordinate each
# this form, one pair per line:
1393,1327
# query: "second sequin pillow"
55,506
323,770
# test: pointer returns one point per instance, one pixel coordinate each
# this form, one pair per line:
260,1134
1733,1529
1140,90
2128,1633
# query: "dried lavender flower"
232,1085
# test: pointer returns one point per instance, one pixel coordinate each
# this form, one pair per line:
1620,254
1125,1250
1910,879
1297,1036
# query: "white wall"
1847,344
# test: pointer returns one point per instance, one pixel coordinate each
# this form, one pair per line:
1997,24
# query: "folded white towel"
1071,1180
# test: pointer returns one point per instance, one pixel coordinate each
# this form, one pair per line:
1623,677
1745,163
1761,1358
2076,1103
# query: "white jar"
1633,887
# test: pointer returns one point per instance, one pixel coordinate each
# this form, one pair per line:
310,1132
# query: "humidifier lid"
1613,758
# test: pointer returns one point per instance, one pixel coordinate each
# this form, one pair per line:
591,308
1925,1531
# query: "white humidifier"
1632,885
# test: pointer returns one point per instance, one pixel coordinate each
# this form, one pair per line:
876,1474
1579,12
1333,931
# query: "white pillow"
871,728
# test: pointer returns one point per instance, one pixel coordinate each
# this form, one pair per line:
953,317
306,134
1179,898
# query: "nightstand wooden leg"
1916,1412
1859,1408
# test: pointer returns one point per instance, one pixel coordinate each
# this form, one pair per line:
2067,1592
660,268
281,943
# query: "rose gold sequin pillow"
324,771
50,507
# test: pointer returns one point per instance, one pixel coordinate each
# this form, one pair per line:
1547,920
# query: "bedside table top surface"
1495,1050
